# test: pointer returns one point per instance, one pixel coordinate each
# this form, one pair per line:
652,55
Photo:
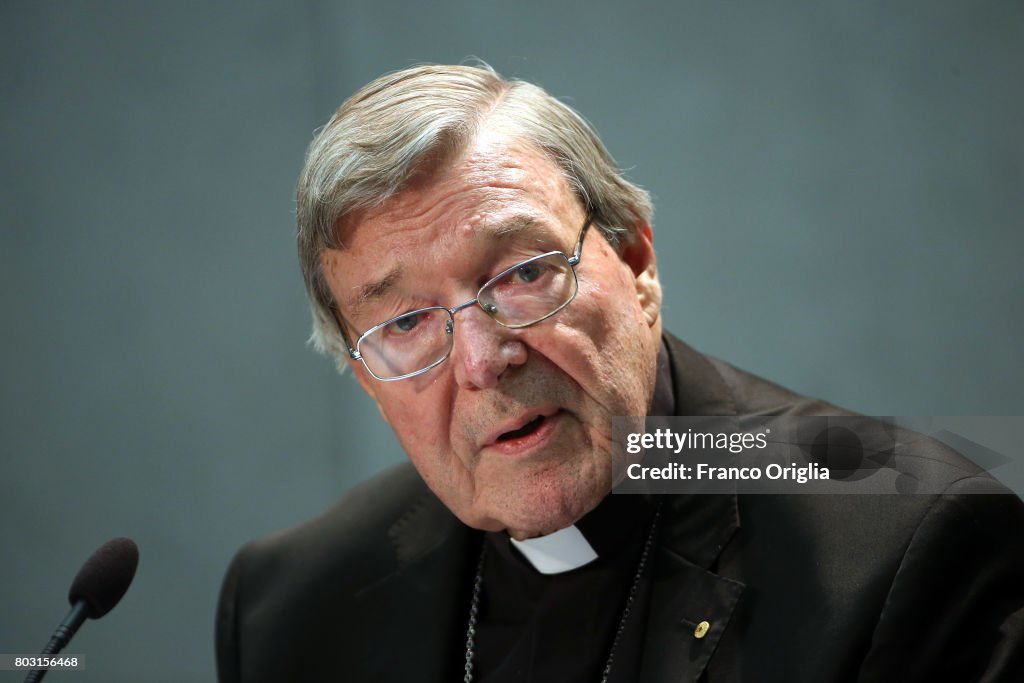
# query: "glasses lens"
530,292
407,344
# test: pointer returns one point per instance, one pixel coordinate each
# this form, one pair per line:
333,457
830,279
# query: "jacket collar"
699,525
687,586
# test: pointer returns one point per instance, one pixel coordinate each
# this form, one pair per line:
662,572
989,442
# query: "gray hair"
393,127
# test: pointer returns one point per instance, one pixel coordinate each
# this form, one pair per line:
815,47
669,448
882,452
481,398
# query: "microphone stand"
61,637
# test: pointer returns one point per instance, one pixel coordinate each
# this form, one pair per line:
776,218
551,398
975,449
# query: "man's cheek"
426,436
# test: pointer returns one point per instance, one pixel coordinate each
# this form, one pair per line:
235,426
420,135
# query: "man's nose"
483,350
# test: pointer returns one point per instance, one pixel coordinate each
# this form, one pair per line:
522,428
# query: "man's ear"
638,253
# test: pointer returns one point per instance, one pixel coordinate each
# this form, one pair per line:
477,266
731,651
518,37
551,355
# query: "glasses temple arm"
577,251
336,316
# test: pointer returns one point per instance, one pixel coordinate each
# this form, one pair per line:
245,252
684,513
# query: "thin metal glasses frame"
573,261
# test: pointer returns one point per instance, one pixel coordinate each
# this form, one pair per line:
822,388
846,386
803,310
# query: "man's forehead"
500,189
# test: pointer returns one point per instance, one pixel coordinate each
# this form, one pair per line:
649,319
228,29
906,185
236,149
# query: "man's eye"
405,324
530,272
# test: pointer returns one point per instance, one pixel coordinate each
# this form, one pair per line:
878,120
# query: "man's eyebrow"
373,291
513,227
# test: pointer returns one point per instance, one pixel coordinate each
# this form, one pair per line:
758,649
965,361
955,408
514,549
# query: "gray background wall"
839,192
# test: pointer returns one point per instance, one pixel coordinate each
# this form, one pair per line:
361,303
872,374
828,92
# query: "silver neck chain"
478,581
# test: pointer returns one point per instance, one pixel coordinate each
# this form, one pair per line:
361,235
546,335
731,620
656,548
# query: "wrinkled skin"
593,360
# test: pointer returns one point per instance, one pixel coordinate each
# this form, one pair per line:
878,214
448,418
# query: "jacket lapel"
685,592
687,588
421,604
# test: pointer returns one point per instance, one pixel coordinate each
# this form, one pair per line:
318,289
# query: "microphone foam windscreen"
105,576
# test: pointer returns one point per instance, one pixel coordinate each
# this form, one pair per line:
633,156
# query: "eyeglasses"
522,295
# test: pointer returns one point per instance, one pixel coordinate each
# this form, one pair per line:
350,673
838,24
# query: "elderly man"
472,253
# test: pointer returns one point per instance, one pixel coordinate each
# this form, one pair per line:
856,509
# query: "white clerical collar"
559,552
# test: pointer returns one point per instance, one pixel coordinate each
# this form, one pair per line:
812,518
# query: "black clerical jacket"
793,588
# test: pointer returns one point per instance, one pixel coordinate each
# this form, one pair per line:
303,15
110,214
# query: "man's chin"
535,499
530,517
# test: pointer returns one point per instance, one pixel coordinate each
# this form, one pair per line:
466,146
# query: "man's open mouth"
528,428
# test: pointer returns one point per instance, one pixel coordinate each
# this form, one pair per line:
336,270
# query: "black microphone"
98,586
